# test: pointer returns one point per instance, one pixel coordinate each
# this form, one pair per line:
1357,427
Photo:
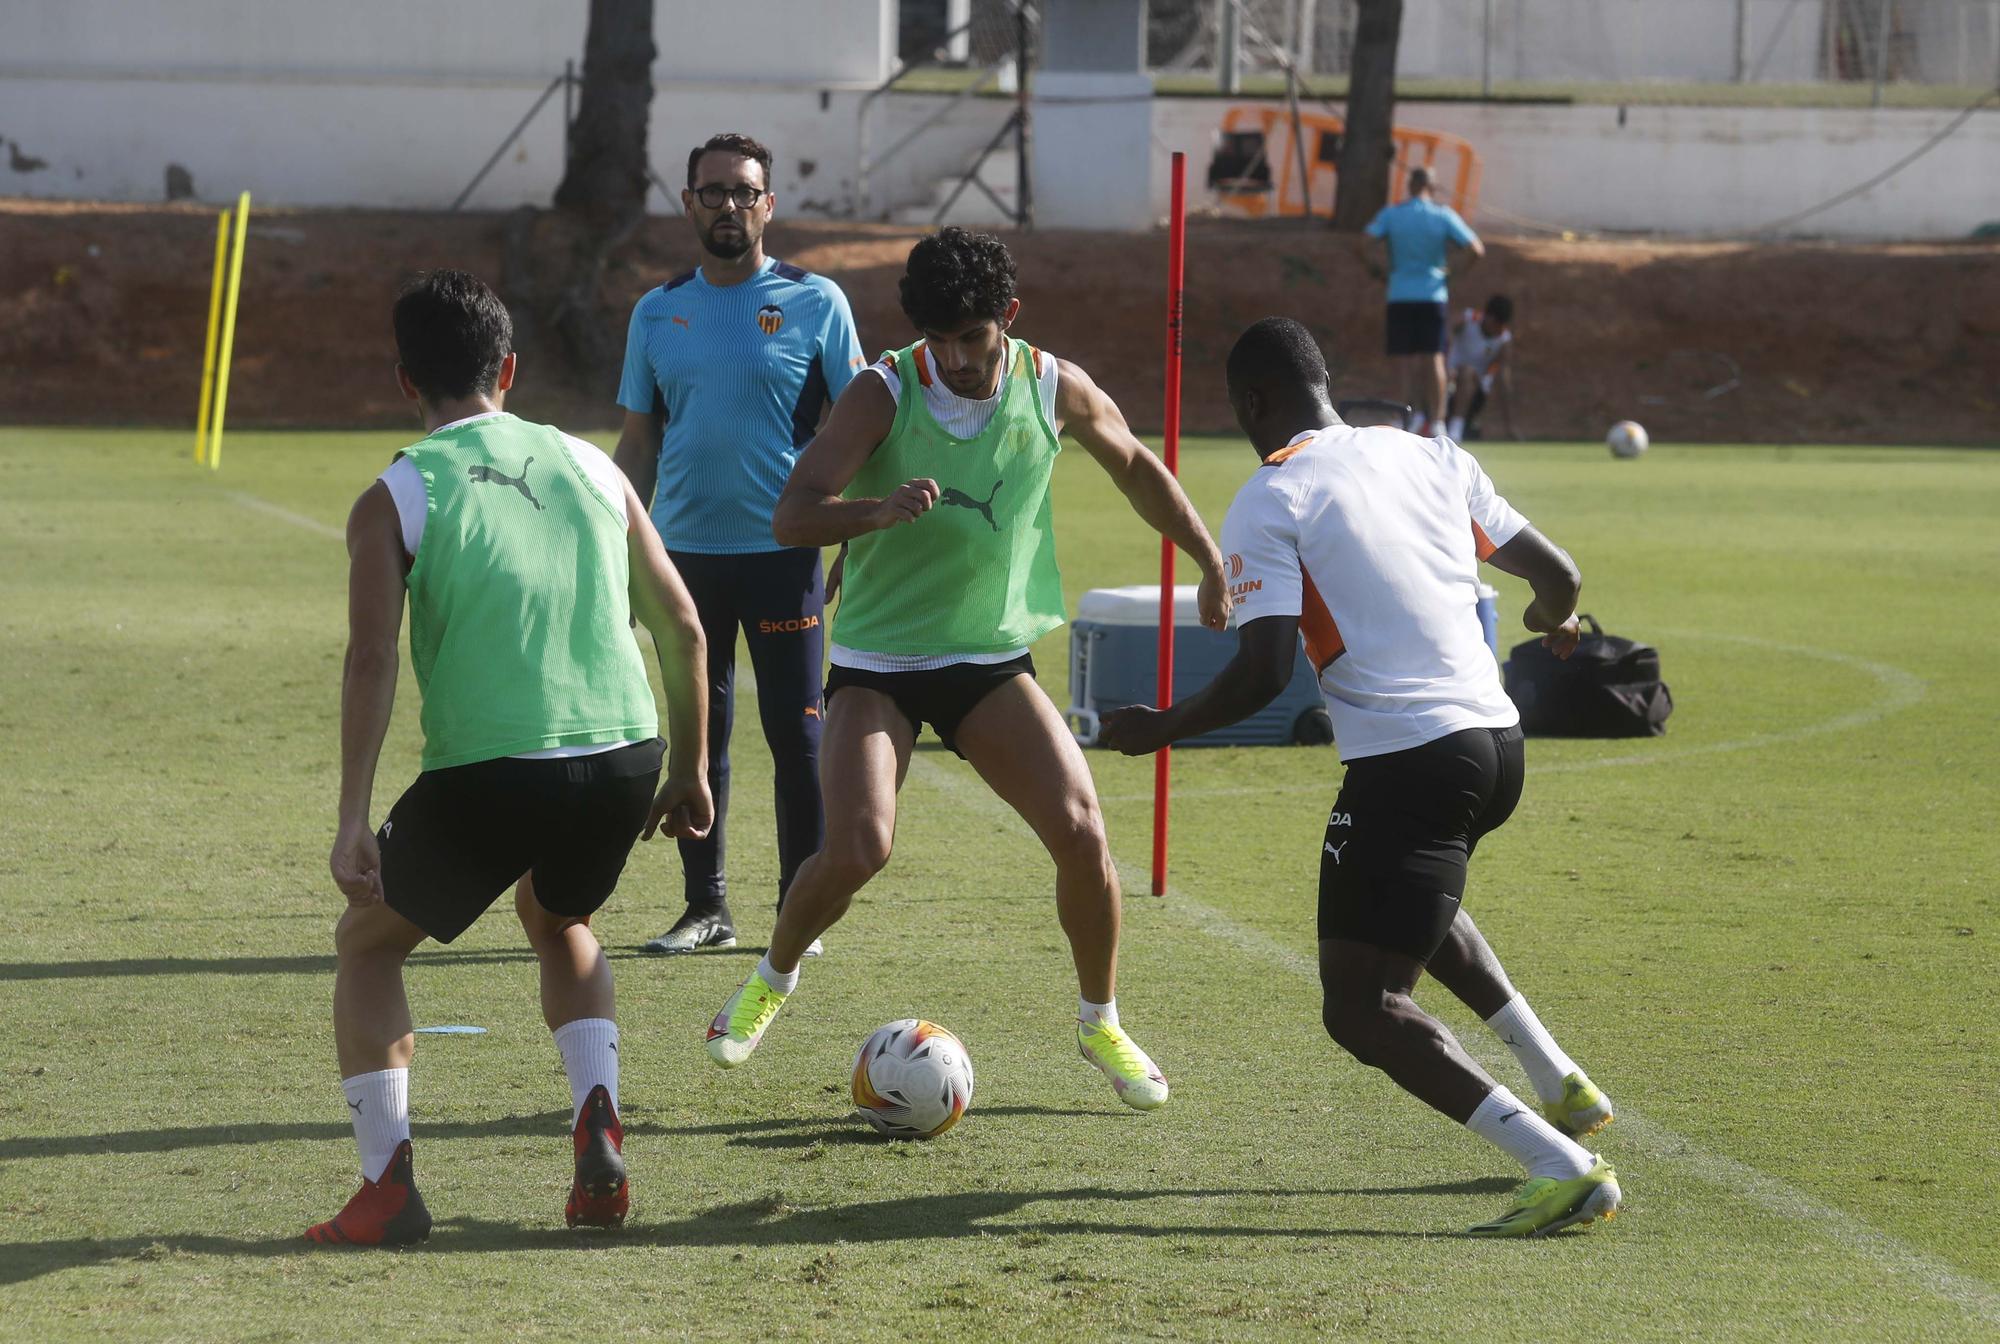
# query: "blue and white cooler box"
1114,661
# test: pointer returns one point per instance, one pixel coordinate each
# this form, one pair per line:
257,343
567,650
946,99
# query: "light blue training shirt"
1420,232
741,373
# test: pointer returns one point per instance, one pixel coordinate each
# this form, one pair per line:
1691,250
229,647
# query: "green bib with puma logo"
977,574
520,619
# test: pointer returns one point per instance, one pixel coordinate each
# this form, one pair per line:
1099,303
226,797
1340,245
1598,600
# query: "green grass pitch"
1771,935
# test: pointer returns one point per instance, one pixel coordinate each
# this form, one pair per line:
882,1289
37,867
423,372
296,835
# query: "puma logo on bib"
953,495
481,472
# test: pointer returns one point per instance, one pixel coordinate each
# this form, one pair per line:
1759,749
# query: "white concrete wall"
1691,170
748,41
333,142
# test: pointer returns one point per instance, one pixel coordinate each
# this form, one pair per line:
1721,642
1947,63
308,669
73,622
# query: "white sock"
589,1047
784,982
379,1106
1091,1013
1455,427
1522,1032
1505,1123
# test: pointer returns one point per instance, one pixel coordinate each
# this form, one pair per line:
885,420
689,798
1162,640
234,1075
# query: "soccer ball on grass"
1627,439
912,1079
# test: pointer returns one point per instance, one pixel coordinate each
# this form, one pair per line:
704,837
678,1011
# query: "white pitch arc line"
1977,1298
265,506
1898,690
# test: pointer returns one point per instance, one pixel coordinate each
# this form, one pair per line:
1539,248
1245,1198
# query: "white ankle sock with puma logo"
1505,1123
379,1106
1522,1032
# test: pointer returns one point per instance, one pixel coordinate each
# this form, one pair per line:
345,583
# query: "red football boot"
600,1194
387,1211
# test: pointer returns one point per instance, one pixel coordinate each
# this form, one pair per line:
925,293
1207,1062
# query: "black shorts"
1416,329
941,697
461,836
1392,868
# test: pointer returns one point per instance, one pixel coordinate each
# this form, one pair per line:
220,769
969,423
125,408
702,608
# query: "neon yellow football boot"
1137,1080
1545,1204
741,1023
1581,1111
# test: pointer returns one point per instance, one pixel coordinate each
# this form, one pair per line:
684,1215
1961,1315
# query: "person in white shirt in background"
1479,361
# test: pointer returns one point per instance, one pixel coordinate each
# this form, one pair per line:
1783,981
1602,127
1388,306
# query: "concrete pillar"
1092,108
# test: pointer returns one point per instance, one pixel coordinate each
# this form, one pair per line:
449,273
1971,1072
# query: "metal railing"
1877,52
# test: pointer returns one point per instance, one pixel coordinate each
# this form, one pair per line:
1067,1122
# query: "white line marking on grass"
1978,1299
1897,690
265,506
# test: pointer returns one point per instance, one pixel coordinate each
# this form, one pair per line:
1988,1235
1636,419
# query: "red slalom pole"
1176,259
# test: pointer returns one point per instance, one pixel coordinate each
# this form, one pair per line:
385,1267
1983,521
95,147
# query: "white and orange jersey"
1372,538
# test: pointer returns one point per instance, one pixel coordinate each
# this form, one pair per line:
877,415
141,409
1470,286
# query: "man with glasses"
727,371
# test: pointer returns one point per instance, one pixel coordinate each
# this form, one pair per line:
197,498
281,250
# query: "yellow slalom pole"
214,325
228,332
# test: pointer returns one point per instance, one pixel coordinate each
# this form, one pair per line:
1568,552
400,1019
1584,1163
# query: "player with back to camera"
728,368
524,556
935,467
1420,239
1367,542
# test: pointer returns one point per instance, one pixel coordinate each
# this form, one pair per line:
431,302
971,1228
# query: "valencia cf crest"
770,317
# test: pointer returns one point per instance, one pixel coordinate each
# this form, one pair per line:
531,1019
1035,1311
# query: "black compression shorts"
941,697
1392,868
459,837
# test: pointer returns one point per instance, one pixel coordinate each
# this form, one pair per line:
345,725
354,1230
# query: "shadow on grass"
764,1222
317,964
788,1133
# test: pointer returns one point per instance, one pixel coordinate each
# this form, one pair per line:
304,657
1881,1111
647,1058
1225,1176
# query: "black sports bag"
1610,687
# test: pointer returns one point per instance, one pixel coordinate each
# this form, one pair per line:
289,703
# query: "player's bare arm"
1086,414
1556,581
811,511
1464,256
1267,649
1374,253
638,451
660,601
367,684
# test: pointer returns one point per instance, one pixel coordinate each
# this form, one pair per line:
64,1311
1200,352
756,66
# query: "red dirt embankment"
102,311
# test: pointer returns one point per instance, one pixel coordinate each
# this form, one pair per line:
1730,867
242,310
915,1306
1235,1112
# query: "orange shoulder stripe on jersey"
889,358
1288,451
923,372
1323,641
1036,355
1482,545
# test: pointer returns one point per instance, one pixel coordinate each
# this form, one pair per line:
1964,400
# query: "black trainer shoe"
696,929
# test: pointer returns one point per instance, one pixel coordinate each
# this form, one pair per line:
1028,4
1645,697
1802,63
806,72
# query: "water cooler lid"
1137,604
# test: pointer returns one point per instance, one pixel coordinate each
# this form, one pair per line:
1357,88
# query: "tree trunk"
1366,147
553,265
604,184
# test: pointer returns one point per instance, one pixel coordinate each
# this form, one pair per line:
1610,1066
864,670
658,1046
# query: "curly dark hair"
729,142
452,333
955,278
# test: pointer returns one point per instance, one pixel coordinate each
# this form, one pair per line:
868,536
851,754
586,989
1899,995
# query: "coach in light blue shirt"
728,369
1417,238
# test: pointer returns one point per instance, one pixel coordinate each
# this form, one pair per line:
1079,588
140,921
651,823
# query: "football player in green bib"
523,556
934,471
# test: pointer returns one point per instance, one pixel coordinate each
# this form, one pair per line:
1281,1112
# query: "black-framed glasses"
714,197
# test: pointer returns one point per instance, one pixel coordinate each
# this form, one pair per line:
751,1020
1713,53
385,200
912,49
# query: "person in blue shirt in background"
1414,242
728,369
